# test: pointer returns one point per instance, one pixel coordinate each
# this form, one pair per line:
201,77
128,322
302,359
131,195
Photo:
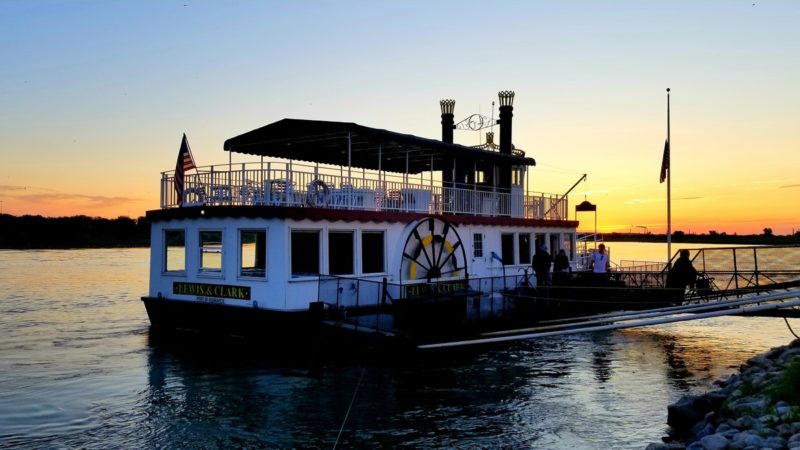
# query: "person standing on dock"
561,268
600,264
541,265
681,275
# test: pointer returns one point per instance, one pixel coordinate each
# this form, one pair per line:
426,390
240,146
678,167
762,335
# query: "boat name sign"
211,290
429,289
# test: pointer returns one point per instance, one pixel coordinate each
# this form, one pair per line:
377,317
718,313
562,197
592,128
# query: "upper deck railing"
313,186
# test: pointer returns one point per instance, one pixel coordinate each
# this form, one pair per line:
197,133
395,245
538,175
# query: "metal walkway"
615,321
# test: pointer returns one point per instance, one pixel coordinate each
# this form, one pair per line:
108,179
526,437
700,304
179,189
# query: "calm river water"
79,369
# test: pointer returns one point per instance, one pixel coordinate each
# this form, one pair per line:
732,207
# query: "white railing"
300,185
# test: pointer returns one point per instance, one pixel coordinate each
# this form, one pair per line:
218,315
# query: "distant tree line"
22,232
713,237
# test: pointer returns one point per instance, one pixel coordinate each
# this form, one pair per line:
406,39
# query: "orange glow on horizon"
90,118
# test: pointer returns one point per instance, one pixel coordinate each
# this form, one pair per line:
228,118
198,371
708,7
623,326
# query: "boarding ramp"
751,305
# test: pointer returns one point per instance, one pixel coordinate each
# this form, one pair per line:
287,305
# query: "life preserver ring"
318,193
200,197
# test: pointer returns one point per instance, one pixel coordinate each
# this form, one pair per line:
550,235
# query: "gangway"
754,304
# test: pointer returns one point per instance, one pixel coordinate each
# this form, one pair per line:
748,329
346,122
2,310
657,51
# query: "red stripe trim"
319,214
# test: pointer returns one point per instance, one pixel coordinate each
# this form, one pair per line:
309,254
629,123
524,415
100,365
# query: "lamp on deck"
586,206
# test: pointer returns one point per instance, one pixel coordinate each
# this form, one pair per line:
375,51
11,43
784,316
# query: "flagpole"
669,189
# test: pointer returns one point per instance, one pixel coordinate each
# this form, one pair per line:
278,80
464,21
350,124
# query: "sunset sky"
95,95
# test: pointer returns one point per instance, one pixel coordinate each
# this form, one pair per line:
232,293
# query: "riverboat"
338,221
364,232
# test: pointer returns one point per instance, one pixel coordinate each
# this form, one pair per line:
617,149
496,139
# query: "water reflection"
552,393
601,360
81,369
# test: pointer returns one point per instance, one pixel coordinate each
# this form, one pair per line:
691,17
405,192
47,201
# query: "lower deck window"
253,253
341,254
507,248
477,245
524,248
211,251
174,250
372,252
554,244
305,253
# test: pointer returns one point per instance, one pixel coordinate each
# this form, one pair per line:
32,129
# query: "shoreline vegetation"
712,237
39,232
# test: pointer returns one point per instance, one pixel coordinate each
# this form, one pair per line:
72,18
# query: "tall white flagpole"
669,186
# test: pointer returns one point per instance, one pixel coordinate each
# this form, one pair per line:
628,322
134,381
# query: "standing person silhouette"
561,268
600,265
541,265
681,275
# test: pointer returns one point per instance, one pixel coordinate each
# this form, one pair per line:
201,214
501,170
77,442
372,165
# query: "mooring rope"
352,400
790,328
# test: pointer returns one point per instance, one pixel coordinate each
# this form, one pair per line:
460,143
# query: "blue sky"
102,92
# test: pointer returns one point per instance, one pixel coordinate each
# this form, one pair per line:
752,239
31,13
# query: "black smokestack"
448,124
506,113
448,164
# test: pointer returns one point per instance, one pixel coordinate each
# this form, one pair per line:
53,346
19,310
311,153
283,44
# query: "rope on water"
352,400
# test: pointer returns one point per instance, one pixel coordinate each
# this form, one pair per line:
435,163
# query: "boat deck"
291,184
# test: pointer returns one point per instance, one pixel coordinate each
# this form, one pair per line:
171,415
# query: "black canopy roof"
327,142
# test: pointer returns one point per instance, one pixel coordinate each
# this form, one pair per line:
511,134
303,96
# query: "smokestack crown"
448,106
506,98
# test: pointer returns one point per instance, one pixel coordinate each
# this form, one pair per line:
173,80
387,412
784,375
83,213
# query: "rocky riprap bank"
759,408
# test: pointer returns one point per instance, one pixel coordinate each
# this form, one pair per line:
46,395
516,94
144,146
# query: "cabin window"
477,245
554,241
516,176
507,248
568,244
372,252
211,251
174,250
540,240
305,253
253,253
341,253
480,177
524,248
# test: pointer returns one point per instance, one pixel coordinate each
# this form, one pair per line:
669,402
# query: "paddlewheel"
434,251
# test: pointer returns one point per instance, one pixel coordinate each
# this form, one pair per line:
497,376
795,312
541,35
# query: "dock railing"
372,304
641,266
748,268
298,185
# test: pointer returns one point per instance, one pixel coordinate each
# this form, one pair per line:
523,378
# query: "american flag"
185,162
665,162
